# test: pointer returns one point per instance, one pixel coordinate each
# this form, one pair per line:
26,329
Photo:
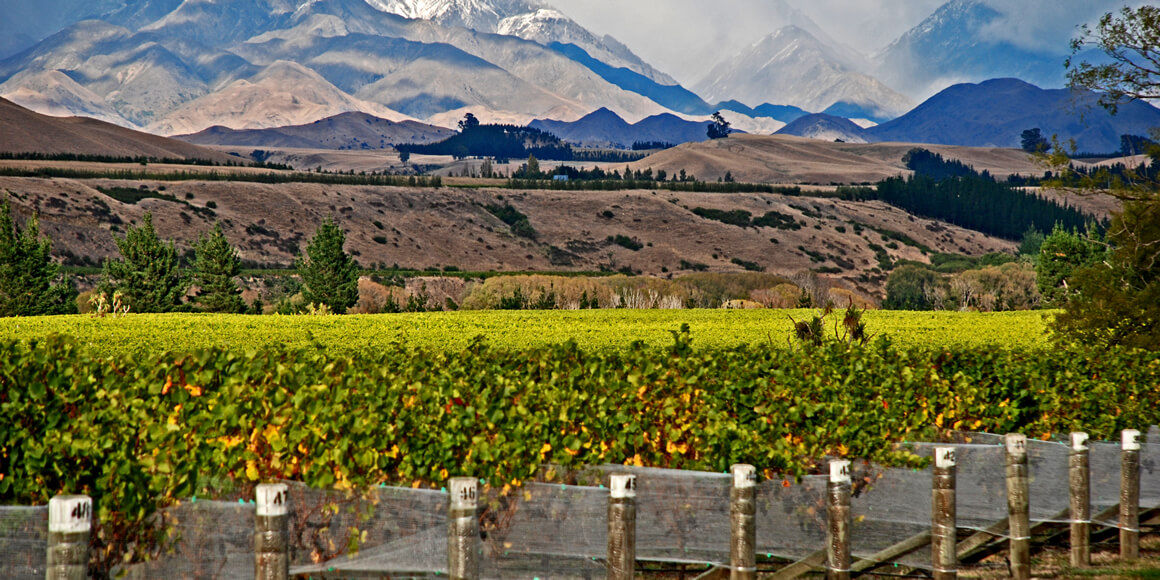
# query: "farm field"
599,330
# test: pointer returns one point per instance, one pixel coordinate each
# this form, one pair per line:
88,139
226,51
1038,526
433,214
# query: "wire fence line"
560,527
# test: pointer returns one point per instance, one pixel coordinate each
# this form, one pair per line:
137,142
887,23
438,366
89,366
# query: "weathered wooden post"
1018,506
70,521
272,532
743,519
463,547
1130,495
621,527
1079,482
840,521
944,524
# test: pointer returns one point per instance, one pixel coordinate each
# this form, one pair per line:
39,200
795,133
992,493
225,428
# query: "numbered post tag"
464,493
744,476
70,514
944,457
1079,441
840,471
272,499
1131,440
1016,443
622,486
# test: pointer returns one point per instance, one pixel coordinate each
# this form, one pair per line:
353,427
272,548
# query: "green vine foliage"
138,433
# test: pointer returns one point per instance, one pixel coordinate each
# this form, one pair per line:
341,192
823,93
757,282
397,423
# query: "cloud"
1045,25
685,38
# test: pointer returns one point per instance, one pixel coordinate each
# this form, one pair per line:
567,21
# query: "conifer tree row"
30,282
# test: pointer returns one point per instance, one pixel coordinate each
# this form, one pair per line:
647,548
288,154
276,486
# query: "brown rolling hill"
346,131
786,159
435,228
24,131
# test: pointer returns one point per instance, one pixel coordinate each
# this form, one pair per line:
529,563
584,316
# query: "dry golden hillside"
434,228
797,160
23,131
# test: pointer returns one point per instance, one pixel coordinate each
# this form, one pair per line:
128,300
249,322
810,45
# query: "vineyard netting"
558,529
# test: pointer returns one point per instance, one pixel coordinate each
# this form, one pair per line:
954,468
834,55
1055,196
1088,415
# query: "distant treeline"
504,142
288,177
955,193
650,145
140,160
627,184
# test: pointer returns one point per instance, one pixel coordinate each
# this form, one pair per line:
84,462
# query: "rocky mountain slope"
383,62
528,19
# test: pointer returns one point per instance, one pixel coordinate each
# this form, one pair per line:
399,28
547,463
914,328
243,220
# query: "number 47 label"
944,457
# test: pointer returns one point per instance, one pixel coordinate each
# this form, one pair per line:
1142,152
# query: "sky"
685,38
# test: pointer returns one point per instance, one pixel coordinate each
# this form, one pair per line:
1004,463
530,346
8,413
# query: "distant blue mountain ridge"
994,113
783,113
604,128
989,114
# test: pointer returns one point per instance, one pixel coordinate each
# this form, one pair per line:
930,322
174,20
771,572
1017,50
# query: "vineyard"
153,334
111,415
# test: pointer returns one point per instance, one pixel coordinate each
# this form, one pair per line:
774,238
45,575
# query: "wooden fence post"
839,519
1018,506
463,529
1130,495
70,521
944,525
743,519
621,527
1079,482
272,532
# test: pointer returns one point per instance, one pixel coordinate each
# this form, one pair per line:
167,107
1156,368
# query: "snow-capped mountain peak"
531,20
482,15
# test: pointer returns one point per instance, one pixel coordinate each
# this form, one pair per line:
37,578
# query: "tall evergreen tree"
30,282
216,263
148,274
329,273
718,127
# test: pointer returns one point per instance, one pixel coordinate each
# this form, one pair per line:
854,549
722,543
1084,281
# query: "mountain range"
164,75
186,66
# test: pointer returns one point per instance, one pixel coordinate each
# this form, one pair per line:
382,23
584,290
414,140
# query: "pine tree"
148,274
718,127
329,273
216,263
30,282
